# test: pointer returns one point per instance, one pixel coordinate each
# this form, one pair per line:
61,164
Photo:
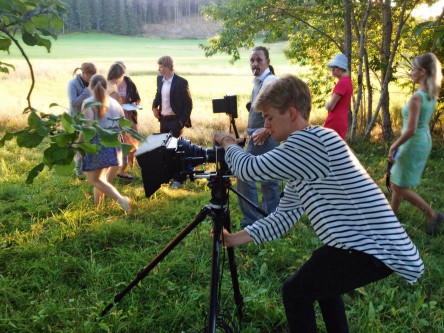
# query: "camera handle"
218,210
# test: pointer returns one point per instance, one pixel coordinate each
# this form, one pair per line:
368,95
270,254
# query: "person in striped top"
362,239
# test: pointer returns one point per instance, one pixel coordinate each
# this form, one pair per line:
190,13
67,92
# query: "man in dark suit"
172,104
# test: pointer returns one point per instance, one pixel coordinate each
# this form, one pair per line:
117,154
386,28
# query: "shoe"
432,228
125,204
176,184
126,177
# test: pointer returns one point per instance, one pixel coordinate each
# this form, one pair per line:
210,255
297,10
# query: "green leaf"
58,155
89,148
126,148
29,27
88,133
64,170
89,104
57,23
5,43
34,121
43,42
123,122
28,38
68,123
134,133
63,139
40,21
34,173
6,137
108,138
28,138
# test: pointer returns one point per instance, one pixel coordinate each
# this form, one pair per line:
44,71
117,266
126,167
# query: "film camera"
163,157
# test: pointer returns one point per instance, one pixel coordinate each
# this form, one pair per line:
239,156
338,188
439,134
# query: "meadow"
62,260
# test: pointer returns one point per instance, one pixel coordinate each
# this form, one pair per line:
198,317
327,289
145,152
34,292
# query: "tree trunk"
362,52
388,73
348,43
387,30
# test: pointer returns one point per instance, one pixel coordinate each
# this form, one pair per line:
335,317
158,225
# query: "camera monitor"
227,105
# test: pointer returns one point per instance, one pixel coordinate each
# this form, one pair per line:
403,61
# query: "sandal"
433,226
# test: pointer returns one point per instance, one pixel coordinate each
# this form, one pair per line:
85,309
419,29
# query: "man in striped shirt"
362,239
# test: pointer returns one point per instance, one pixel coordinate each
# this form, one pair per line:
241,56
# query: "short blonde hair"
288,91
166,61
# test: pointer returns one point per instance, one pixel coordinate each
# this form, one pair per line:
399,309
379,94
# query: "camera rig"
163,157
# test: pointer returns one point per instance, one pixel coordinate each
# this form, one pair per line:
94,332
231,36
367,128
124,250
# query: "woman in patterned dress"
101,168
410,151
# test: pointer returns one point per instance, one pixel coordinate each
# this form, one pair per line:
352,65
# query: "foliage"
62,260
315,32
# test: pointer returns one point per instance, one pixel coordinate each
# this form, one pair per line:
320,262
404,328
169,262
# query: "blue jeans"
270,190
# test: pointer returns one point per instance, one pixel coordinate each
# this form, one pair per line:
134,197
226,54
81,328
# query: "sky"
426,12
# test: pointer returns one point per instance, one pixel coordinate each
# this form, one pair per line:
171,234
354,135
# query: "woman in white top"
101,168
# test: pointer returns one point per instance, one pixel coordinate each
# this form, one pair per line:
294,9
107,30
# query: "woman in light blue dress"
410,151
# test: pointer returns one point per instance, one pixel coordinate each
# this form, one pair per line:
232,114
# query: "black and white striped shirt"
326,181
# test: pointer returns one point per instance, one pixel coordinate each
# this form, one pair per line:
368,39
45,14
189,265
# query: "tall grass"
62,260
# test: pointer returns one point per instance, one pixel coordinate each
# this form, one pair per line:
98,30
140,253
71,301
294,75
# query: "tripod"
220,215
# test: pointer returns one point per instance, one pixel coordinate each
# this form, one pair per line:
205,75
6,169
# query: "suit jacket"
180,98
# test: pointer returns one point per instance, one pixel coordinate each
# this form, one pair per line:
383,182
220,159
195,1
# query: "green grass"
62,260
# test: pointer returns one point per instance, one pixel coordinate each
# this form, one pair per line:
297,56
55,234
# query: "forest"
127,17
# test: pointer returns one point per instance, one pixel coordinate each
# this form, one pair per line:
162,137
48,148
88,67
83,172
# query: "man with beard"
259,142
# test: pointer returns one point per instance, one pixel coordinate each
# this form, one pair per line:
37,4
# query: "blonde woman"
101,168
115,77
412,148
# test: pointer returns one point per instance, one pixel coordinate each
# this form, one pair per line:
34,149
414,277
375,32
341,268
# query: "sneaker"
432,228
126,177
125,204
176,184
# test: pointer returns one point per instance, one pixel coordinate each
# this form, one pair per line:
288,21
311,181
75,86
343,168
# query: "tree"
315,31
35,20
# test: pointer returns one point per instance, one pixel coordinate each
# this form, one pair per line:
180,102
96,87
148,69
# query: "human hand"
156,113
223,139
259,136
391,156
229,240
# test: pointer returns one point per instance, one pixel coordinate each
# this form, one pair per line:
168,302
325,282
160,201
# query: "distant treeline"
127,17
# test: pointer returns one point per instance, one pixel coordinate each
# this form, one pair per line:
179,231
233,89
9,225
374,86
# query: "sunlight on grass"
62,260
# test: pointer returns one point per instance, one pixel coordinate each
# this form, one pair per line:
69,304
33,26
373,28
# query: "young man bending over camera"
362,239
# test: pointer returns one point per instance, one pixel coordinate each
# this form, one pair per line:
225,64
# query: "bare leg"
98,179
111,173
403,193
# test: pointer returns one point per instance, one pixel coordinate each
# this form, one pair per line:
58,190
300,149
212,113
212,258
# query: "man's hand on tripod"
230,240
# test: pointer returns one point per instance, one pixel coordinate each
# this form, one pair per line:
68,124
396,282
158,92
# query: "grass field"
208,78
62,260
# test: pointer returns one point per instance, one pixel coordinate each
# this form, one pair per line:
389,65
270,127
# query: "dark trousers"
328,274
170,124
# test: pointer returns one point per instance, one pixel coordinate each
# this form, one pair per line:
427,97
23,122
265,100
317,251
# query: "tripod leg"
148,268
238,298
215,271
